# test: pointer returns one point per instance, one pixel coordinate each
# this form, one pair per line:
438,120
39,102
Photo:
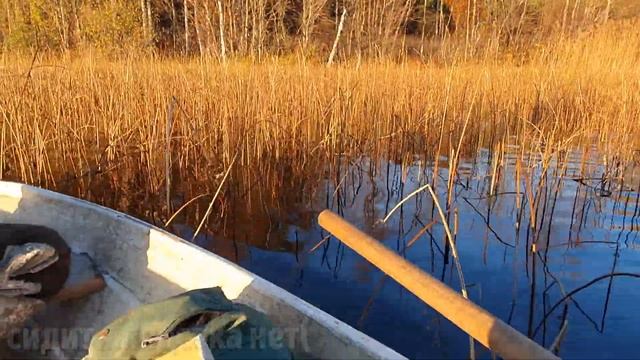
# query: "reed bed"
97,128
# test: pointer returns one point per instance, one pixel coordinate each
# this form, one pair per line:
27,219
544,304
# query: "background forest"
257,28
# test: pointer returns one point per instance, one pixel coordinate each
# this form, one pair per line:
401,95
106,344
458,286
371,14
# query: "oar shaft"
472,319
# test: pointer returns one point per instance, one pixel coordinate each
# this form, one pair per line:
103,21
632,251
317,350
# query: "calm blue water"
590,229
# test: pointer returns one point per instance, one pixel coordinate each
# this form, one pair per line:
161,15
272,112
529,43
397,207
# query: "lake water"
586,227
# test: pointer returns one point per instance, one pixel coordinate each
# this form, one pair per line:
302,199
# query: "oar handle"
471,318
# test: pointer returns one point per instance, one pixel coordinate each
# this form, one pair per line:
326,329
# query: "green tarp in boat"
232,331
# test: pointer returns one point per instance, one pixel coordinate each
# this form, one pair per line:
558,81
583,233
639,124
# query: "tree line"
225,28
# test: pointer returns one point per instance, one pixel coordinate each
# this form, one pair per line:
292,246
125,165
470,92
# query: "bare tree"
334,48
77,29
174,20
150,30
210,29
64,28
311,10
223,50
196,26
185,10
143,9
607,11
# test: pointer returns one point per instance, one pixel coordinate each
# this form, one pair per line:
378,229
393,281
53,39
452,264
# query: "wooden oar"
471,318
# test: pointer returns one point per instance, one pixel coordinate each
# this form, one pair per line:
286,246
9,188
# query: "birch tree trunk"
150,29
64,26
210,30
334,49
196,26
245,28
174,21
144,17
607,11
185,10
223,50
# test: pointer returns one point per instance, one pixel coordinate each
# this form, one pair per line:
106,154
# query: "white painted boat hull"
142,263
